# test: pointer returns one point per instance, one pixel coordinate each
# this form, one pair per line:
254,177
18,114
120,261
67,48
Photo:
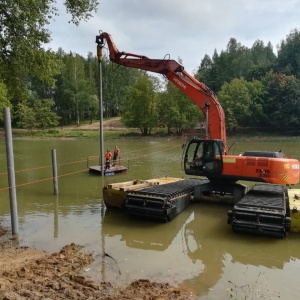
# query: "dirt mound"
31,274
27,273
113,124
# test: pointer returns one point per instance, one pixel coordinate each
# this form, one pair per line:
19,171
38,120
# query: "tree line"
255,87
44,89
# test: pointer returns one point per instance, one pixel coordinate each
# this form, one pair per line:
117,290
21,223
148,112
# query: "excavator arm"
209,156
198,92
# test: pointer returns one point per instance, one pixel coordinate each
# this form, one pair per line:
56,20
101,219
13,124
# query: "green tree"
81,10
166,111
289,54
140,107
263,59
176,111
37,114
210,71
45,117
282,100
236,61
62,96
26,116
23,35
205,67
76,93
116,83
242,103
4,100
91,73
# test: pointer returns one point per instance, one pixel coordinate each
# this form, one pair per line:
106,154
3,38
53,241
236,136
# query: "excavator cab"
204,157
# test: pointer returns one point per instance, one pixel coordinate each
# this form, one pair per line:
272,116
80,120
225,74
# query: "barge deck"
266,209
114,194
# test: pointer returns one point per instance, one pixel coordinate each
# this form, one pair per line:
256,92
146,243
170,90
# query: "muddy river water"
197,249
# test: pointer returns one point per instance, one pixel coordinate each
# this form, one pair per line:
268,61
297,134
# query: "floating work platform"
263,210
266,209
114,194
111,171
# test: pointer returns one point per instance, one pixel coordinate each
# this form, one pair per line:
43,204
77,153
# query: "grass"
89,134
62,134
93,133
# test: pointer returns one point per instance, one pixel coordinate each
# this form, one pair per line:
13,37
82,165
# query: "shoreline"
27,273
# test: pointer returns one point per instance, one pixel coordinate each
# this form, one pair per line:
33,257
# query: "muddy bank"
27,273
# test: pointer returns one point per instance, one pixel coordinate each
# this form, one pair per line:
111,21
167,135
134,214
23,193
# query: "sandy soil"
113,124
27,273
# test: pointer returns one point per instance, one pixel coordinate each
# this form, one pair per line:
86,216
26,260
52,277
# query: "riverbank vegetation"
114,129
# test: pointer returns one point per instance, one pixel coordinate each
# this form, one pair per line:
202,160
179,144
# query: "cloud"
184,29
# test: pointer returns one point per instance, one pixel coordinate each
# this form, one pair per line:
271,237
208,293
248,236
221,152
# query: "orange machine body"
261,169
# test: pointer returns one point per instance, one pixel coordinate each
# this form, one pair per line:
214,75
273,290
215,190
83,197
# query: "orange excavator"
209,156
262,209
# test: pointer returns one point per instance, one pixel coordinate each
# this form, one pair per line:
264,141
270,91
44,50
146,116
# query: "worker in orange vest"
107,156
116,154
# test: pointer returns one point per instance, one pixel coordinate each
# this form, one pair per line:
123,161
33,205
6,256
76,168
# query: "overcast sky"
183,29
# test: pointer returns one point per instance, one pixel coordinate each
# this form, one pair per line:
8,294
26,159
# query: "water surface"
197,249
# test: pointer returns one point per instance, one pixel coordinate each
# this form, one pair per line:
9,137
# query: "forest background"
258,88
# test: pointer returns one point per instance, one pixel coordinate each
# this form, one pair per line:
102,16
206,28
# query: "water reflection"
216,246
205,246
138,233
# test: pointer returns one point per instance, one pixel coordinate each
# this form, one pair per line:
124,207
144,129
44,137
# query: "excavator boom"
198,92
